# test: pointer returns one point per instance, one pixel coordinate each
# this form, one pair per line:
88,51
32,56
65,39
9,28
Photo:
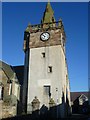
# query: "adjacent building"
9,84
80,102
9,90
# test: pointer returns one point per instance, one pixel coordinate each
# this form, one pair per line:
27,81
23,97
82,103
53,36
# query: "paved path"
29,117
79,117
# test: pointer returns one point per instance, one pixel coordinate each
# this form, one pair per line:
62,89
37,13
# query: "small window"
47,90
50,69
1,92
43,54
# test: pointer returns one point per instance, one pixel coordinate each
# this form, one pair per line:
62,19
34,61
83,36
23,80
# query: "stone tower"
45,73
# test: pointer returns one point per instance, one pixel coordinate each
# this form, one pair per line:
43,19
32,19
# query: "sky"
17,15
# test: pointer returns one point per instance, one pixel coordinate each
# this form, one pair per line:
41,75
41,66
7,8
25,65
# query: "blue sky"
15,18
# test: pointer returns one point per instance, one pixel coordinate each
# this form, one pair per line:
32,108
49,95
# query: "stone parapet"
35,42
36,30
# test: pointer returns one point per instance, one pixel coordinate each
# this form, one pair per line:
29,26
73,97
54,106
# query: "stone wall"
35,42
7,110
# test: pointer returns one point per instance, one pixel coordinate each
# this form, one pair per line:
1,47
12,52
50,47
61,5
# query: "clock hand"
44,35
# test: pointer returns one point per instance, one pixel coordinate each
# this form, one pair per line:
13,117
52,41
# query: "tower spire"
48,0
48,15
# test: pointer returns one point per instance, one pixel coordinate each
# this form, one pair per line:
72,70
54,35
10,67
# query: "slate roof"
75,95
7,69
12,72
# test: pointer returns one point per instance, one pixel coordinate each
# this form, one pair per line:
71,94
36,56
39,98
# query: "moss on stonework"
51,101
48,14
10,100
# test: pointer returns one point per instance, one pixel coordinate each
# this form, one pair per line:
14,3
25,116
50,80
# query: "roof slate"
7,69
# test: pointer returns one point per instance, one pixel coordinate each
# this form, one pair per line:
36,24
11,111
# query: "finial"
60,23
14,75
28,27
29,24
60,19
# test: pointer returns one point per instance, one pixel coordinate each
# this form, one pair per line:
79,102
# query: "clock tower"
45,71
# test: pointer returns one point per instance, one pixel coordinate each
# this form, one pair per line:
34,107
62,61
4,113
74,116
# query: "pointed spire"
48,14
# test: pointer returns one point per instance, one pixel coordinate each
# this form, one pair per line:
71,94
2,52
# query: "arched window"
1,91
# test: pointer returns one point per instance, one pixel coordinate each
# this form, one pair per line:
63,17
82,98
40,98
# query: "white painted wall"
39,76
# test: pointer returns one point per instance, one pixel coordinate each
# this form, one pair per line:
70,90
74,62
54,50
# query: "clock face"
45,36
